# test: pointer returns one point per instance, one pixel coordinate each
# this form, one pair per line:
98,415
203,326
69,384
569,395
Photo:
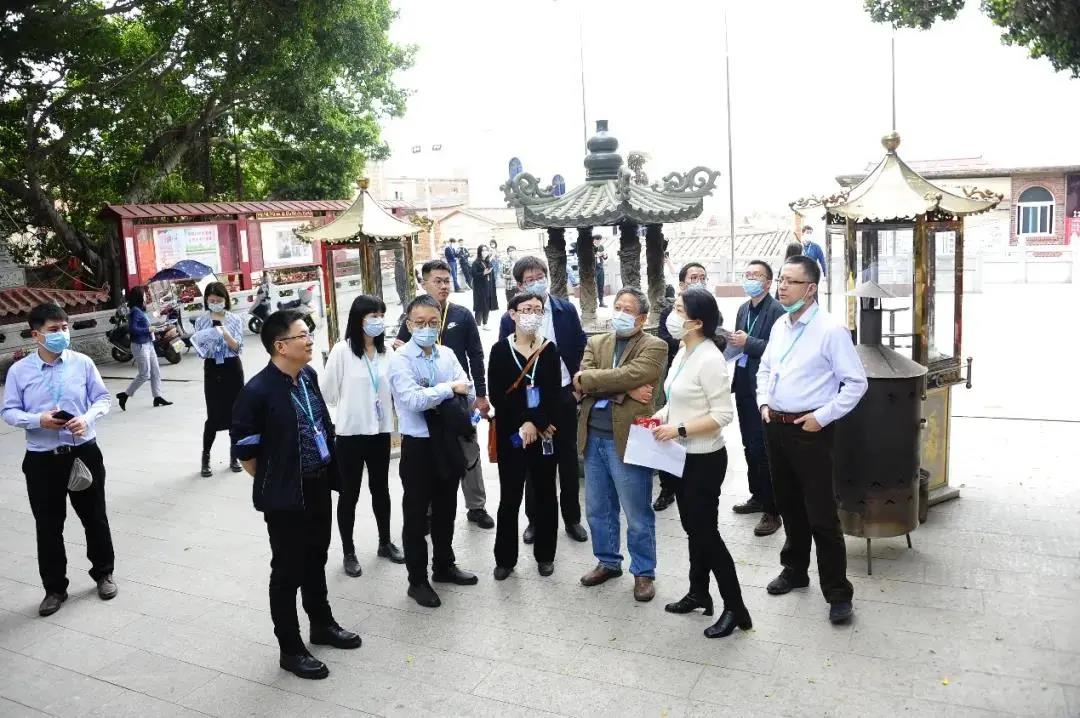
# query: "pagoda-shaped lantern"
612,196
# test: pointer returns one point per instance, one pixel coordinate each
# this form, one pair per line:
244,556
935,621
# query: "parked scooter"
302,304
167,339
260,310
172,312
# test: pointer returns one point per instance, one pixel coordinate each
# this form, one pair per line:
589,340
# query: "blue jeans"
608,483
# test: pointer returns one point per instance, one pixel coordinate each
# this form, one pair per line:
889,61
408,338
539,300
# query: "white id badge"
378,410
532,396
741,360
320,443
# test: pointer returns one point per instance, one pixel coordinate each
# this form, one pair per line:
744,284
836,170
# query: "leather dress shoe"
502,573
750,506
51,603
424,594
352,566
234,465
529,535
546,568
106,588
665,499
783,583
840,611
691,602
481,518
334,635
453,574
767,525
121,399
304,666
204,466
644,588
577,532
728,621
392,552
161,401
600,574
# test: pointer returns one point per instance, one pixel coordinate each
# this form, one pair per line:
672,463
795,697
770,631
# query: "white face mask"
529,323
675,325
216,306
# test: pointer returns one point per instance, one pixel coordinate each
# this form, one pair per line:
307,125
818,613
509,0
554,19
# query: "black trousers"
519,468
698,498
354,452
423,488
482,316
757,458
46,488
298,544
600,284
802,466
566,456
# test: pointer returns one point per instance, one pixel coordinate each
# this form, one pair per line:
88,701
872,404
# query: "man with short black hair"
56,395
450,254
459,333
284,438
813,250
562,326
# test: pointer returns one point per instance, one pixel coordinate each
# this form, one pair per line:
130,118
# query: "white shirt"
547,330
811,366
420,382
697,385
349,383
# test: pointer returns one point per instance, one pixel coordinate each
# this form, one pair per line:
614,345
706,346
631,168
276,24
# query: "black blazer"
745,378
448,424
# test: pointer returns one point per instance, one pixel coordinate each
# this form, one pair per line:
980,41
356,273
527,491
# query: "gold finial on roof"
364,183
890,142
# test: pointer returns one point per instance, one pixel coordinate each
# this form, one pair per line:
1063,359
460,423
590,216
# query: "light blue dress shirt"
71,383
208,341
420,382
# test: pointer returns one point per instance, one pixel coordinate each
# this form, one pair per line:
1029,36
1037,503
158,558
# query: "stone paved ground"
979,619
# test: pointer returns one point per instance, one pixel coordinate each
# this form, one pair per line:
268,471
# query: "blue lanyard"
432,368
374,375
798,336
667,388
513,353
308,410
751,324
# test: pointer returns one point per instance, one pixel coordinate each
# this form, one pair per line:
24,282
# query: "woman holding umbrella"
219,339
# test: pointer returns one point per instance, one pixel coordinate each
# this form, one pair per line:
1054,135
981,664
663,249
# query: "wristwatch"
682,430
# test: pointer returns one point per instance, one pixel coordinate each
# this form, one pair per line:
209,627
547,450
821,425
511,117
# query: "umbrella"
184,269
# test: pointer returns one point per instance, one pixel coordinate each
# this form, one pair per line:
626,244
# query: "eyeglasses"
433,324
530,310
755,275
784,280
440,282
305,336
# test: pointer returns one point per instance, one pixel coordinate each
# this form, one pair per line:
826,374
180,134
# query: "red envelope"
648,423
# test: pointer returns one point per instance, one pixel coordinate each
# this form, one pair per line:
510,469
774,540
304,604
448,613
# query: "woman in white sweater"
698,408
355,381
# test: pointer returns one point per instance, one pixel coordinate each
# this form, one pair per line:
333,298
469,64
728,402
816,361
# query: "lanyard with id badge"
791,346
320,438
532,391
742,358
373,374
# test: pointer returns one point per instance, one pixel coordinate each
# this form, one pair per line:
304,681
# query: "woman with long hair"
485,298
142,348
698,408
219,339
355,381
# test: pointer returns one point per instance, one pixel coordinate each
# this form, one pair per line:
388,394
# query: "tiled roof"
597,204
20,300
703,248
198,209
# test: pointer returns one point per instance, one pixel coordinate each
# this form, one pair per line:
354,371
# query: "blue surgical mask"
753,287
374,327
57,342
216,306
539,287
796,306
425,337
624,324
698,285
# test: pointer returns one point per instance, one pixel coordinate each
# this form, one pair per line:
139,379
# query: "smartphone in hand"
64,416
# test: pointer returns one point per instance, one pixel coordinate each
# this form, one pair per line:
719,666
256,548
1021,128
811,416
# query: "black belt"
786,417
64,449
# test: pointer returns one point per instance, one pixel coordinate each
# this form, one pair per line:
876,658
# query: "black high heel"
728,621
691,602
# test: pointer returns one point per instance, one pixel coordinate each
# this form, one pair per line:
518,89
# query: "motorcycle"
171,311
260,310
302,304
166,337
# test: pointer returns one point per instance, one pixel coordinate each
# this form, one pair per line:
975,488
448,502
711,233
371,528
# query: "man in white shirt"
810,376
423,376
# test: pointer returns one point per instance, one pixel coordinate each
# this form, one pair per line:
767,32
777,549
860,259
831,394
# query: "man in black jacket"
753,324
460,334
283,437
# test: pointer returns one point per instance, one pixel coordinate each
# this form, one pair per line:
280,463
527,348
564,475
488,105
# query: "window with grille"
1035,212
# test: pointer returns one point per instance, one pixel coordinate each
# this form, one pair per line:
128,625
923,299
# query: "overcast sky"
495,79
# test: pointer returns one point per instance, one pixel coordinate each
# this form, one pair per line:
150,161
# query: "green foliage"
1047,28
107,101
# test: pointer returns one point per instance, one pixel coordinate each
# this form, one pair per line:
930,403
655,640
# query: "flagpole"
731,163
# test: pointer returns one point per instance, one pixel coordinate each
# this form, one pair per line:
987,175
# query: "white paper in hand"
643,450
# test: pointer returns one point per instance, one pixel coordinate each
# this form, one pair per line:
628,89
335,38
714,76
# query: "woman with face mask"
355,381
698,408
483,286
142,347
524,386
219,339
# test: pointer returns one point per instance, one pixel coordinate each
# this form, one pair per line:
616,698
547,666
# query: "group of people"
555,394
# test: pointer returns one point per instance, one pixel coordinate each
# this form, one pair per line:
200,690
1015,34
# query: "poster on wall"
282,248
198,242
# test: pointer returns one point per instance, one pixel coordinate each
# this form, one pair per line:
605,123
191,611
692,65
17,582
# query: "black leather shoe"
751,506
161,401
51,603
336,636
121,399
234,465
665,499
352,566
304,666
106,588
783,583
546,568
529,535
204,469
577,532
840,612
502,573
424,594
453,574
691,602
392,552
728,621
481,518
